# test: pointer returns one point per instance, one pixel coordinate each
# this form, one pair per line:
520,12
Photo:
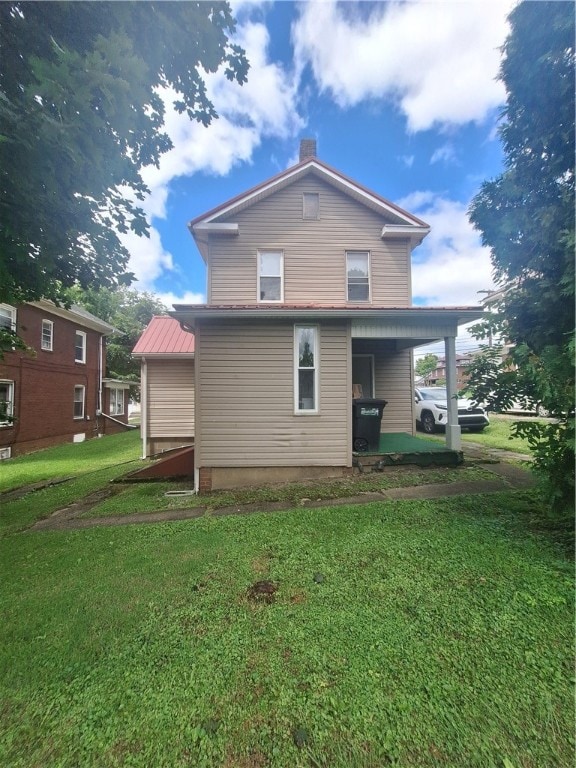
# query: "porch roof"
419,324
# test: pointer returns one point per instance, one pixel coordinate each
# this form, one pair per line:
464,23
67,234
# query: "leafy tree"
526,217
129,312
426,364
81,112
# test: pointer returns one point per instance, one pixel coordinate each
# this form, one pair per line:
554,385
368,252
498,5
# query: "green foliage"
81,113
440,635
526,217
129,312
426,364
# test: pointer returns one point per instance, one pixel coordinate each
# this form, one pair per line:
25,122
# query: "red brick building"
56,393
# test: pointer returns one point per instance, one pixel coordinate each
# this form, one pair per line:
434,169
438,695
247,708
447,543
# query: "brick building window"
7,317
6,403
79,401
47,335
116,402
80,347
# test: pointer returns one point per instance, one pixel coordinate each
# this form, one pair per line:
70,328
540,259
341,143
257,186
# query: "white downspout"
100,370
453,431
144,405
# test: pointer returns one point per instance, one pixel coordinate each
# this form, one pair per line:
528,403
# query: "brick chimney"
307,149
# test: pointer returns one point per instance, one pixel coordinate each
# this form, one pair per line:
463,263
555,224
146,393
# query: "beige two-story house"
308,303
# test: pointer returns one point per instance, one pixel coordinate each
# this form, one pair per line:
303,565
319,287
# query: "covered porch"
398,448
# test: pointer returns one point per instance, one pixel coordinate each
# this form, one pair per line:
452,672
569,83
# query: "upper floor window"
306,369
79,401
6,403
358,275
270,275
7,317
47,335
116,402
80,347
311,205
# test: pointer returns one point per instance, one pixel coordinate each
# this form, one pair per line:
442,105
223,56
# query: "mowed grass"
496,435
150,497
429,633
90,465
70,460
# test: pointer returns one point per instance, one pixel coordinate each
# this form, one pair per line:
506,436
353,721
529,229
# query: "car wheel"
428,423
541,411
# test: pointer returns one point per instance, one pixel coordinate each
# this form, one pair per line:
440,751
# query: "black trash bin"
366,419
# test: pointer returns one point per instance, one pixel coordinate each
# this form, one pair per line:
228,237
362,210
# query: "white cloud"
407,160
188,297
451,266
444,154
262,107
436,60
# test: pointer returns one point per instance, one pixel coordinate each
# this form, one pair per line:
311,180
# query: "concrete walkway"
506,477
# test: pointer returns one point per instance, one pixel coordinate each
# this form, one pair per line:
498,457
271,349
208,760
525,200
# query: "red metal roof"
164,336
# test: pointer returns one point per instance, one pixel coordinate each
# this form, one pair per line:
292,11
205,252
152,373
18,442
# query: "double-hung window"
7,317
306,369
270,275
47,335
116,402
6,403
80,347
358,275
79,401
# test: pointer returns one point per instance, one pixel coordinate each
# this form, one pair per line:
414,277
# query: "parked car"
527,407
432,411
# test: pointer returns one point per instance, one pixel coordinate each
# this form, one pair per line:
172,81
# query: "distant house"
438,375
58,392
309,303
166,354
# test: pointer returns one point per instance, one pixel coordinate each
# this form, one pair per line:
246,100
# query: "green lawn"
70,459
402,634
411,634
496,435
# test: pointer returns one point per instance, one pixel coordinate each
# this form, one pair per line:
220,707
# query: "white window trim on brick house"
47,338
79,388
8,312
116,405
82,335
7,412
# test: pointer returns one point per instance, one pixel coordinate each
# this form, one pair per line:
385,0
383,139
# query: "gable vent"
307,149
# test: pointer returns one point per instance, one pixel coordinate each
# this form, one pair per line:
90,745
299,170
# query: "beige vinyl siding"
246,384
393,382
170,398
314,250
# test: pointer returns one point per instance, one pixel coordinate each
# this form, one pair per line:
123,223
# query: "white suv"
432,411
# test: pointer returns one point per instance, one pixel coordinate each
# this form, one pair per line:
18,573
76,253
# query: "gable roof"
76,314
403,223
164,336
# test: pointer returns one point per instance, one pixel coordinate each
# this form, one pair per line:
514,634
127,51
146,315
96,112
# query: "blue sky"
401,97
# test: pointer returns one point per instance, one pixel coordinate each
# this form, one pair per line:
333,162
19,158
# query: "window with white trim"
79,401
6,403
310,205
306,369
80,347
7,317
270,275
47,335
358,275
116,401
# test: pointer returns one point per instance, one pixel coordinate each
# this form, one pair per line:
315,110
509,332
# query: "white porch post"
453,432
